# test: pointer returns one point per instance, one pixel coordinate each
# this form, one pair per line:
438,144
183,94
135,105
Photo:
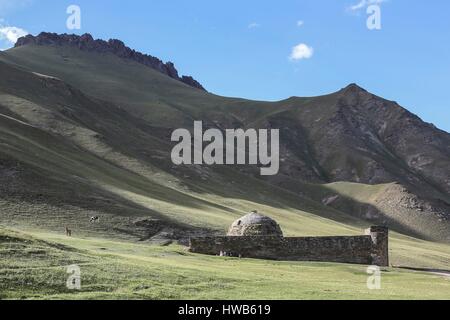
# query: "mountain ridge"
85,100
114,46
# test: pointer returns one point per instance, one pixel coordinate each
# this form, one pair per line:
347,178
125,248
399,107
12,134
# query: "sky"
272,50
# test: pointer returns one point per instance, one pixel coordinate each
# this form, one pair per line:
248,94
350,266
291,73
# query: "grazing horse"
95,219
68,232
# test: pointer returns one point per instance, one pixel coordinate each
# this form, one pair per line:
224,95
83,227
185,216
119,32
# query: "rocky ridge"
86,42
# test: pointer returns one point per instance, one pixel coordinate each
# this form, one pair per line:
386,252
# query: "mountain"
114,46
85,130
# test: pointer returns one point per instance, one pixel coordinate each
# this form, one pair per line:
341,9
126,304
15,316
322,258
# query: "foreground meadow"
33,265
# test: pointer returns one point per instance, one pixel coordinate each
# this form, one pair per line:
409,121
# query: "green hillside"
87,134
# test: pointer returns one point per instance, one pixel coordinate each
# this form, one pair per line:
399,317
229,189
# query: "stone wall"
366,249
380,247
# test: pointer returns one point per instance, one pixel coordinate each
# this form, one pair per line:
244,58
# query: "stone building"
255,224
258,236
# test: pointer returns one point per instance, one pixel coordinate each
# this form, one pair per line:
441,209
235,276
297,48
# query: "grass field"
33,265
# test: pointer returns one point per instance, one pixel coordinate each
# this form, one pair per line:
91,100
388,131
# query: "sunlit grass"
124,270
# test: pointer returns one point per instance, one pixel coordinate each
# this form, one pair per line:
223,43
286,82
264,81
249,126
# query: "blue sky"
244,48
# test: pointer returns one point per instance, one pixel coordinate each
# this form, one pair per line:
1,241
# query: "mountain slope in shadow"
99,123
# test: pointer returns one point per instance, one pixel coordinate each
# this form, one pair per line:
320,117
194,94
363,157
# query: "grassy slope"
147,93
29,137
212,203
158,99
31,268
140,189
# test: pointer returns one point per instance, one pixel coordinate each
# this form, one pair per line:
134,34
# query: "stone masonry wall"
380,249
346,249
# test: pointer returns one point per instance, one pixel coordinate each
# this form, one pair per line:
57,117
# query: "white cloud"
300,23
254,25
12,33
364,3
301,51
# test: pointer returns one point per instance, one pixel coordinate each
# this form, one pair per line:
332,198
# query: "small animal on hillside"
68,232
95,219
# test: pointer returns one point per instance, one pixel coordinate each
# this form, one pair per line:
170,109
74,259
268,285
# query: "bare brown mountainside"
88,130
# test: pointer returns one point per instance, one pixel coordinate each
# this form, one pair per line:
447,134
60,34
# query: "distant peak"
86,42
353,87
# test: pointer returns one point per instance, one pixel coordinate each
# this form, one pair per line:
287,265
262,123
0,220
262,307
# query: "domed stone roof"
255,224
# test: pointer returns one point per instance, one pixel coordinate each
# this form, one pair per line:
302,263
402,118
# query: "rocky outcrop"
87,43
192,82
